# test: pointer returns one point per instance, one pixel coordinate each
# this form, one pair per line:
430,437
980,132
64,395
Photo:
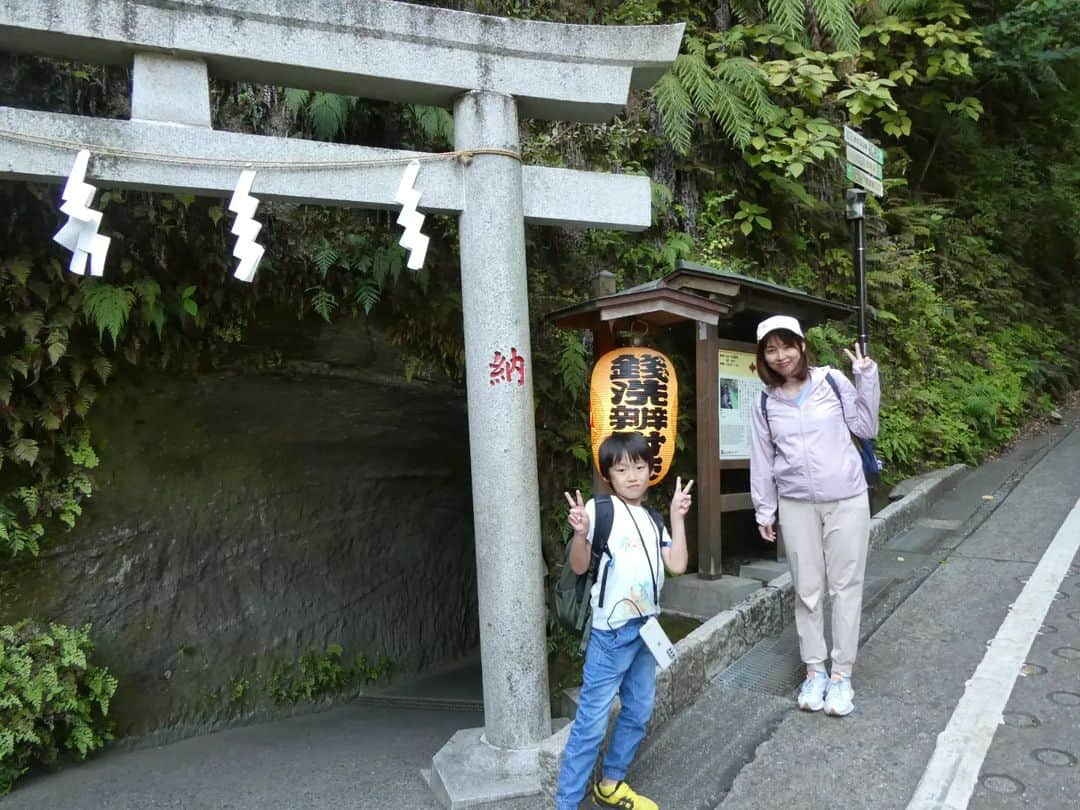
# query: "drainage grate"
771,666
412,702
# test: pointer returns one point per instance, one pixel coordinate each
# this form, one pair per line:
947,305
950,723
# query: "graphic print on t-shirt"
628,588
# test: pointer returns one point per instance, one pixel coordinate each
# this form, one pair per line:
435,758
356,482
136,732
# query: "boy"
630,576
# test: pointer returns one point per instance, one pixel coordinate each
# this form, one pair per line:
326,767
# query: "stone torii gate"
489,70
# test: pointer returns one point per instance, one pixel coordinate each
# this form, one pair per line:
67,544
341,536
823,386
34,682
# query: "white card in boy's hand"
658,643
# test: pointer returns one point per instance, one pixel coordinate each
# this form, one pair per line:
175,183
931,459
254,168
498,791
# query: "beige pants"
826,546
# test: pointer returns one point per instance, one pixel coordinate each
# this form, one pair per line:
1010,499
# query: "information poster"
740,390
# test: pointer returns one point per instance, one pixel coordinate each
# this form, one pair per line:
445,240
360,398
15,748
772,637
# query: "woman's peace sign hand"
859,361
681,501
578,517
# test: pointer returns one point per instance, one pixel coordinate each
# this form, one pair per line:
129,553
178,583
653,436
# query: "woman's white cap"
778,322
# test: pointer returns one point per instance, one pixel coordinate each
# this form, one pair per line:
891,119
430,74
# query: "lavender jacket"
806,453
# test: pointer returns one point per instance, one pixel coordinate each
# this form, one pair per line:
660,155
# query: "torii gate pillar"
502,446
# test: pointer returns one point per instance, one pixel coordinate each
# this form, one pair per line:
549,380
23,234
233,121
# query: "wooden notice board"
728,388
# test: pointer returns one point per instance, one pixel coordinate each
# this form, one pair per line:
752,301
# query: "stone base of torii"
489,70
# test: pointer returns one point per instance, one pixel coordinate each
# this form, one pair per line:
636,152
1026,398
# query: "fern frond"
436,123
368,293
695,46
107,307
676,111
693,72
788,15
148,290
837,17
325,257
23,450
323,302
329,112
296,99
749,79
749,12
387,264
572,365
733,115
31,323
102,367
905,7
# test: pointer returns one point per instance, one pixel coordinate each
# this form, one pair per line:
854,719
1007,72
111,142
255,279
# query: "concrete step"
691,595
763,570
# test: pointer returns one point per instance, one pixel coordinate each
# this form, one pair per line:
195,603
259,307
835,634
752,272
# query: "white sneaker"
812,693
839,699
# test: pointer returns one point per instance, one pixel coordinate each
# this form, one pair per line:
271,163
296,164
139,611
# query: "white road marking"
950,776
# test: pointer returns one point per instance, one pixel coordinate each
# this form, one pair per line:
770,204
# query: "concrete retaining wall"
243,519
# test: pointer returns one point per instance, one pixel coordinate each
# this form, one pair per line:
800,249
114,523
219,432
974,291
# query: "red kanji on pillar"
503,368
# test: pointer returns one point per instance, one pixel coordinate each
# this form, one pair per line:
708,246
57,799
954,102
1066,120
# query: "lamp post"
854,205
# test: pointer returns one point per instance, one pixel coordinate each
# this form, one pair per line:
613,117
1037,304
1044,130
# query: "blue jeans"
616,662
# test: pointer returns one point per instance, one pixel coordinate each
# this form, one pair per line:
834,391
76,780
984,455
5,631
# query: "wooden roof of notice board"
698,293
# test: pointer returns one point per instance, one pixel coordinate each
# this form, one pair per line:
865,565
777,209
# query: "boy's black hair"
617,445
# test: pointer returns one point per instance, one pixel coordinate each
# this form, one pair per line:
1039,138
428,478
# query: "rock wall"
242,519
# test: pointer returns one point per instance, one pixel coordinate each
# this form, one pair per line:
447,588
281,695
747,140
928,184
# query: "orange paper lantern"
634,389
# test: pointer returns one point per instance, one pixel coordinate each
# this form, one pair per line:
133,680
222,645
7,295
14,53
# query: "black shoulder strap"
605,516
765,413
836,390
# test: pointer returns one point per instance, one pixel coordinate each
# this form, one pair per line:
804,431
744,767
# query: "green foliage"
435,123
750,216
328,113
323,302
52,699
730,91
51,364
107,307
1036,48
573,364
315,675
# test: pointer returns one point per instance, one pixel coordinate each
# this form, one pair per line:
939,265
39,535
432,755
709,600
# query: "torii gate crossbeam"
490,70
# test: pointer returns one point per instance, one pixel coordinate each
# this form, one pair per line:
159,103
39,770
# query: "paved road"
936,595
940,592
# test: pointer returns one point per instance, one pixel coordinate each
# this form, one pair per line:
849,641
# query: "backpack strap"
867,453
605,516
765,413
836,390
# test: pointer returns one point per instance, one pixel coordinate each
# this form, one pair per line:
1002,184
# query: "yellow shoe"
621,796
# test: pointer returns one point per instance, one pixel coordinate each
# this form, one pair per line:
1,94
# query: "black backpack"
871,465
573,591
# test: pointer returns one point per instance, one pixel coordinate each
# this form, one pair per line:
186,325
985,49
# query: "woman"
803,462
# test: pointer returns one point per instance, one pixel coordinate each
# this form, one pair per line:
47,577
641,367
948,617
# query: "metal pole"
855,201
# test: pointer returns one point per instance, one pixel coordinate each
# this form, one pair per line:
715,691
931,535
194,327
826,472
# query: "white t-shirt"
628,590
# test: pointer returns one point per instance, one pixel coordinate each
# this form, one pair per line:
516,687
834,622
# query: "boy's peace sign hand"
681,501
578,517
859,361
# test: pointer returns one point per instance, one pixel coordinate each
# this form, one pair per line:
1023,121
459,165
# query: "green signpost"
864,162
